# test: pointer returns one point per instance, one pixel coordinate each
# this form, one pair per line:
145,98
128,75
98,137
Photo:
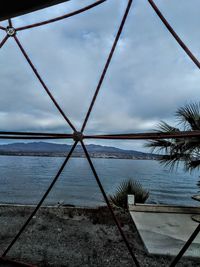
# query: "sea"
24,180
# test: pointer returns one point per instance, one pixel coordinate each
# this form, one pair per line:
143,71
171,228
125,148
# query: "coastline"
74,236
62,150
61,155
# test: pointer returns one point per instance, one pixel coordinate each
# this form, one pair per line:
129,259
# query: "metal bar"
34,133
151,135
185,247
175,35
2,28
13,9
128,136
61,17
10,22
42,82
107,64
4,40
34,137
6,262
138,136
41,201
109,206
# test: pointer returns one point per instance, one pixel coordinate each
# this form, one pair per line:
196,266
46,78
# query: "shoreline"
75,236
75,156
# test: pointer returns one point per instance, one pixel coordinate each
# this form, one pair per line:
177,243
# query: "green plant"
186,150
128,187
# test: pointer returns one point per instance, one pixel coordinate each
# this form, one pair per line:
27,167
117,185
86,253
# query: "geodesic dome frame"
79,136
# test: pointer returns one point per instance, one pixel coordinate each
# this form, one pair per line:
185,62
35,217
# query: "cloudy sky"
150,76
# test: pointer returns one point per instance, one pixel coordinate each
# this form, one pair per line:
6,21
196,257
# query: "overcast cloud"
150,76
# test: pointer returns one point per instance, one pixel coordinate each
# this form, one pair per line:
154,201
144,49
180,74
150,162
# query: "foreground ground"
70,237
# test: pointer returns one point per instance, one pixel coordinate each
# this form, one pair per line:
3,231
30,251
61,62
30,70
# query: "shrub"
128,187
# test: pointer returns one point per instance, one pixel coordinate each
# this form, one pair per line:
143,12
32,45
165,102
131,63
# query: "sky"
149,77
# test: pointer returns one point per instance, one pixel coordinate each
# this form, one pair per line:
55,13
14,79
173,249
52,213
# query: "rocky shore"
71,236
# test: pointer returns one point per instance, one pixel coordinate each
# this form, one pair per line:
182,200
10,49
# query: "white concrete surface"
166,233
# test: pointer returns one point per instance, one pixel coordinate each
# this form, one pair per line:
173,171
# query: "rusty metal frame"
79,136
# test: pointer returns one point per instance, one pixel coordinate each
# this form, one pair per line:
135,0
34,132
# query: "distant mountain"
52,149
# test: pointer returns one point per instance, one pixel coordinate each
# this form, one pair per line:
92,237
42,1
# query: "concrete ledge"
160,208
164,208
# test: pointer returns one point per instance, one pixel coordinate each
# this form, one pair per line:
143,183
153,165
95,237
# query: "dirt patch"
74,237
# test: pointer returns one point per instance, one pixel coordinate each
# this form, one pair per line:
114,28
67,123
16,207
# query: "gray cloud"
149,76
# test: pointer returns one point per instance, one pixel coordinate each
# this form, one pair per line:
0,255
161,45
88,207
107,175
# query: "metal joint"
77,136
10,31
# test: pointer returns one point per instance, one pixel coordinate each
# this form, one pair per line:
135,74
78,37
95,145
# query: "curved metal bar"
42,83
41,201
143,136
61,17
185,247
107,64
175,35
108,204
4,40
12,9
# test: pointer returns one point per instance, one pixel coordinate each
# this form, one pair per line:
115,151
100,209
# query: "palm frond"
186,150
189,145
172,160
128,187
158,145
162,145
193,164
189,116
164,127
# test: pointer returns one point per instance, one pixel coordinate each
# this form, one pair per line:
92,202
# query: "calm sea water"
24,179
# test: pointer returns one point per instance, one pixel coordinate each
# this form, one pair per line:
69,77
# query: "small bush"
128,187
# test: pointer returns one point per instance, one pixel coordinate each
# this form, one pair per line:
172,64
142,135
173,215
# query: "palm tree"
186,150
128,187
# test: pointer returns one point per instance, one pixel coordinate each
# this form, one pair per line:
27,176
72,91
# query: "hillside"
52,149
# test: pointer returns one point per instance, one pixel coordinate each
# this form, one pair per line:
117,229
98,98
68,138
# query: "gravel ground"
74,237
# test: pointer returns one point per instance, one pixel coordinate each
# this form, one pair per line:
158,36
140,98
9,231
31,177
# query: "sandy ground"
63,236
